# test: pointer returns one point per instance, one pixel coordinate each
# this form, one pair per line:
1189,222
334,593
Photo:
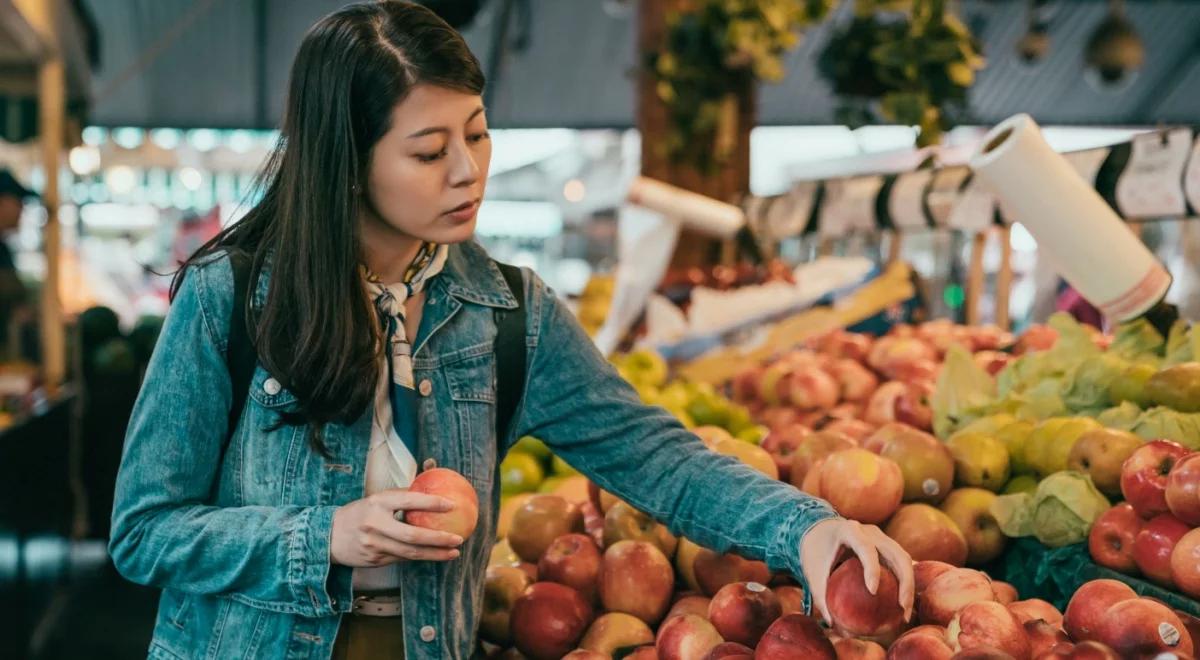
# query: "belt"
381,605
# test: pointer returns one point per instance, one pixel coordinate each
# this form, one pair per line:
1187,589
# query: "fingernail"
458,540
453,553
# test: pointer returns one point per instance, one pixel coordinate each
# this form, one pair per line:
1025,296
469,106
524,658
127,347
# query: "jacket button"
272,386
425,387
428,634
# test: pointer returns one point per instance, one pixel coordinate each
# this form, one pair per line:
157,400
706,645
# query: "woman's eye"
480,137
429,158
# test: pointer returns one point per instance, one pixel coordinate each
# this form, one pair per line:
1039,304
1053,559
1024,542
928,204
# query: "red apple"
502,586
842,344
897,401
529,570
778,417
1088,605
622,522
856,612
1036,338
795,637
925,571
616,630
636,578
714,571
1144,476
686,637
742,611
791,599
548,620
847,474
539,521
992,362
1036,608
1093,651
812,388
857,383
1153,545
848,410
816,447
894,352
855,429
988,624
1111,538
730,651
950,592
1141,628
1185,563
927,534
921,643
1005,592
643,653
1183,489
442,482
694,604
573,560
1043,636
745,384
848,648
781,444
982,653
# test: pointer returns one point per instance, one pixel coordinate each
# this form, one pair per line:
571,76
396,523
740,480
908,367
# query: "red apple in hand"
1110,541
548,620
1141,628
1153,545
636,578
795,637
573,560
1089,604
988,624
453,486
1185,563
856,612
1183,489
742,611
686,637
1144,476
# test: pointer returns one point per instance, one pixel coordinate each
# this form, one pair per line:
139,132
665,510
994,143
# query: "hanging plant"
713,51
904,62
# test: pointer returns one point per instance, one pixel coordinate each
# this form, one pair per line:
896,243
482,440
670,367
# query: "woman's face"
428,172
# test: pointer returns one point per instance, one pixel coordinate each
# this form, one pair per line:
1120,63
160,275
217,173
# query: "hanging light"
1115,52
84,159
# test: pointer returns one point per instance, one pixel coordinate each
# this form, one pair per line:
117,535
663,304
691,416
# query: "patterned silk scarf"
390,461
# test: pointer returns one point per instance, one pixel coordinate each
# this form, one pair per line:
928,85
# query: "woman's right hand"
367,534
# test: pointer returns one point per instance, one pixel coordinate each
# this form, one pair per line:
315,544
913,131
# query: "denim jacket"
240,545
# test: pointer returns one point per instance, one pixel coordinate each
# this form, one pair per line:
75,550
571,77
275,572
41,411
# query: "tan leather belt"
385,606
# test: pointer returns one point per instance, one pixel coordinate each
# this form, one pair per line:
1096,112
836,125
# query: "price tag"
1150,186
849,206
907,201
945,192
1191,182
788,215
1088,162
975,210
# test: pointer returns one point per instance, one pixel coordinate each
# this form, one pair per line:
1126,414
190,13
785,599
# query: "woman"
373,319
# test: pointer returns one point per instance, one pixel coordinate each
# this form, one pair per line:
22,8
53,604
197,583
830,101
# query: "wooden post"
1004,277
41,14
975,277
653,121
896,240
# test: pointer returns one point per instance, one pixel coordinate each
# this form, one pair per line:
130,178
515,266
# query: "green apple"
550,483
709,409
990,424
980,460
647,367
1015,436
561,468
739,419
753,434
532,446
1050,444
520,473
1024,483
1131,386
1176,387
970,509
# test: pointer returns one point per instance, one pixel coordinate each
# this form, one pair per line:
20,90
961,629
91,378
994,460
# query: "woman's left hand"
822,544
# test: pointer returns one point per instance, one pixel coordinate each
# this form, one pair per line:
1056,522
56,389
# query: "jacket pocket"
470,378
160,652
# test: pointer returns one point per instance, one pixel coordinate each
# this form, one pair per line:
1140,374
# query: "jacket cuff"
784,553
315,580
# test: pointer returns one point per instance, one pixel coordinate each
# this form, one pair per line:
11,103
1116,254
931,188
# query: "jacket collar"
472,276
469,275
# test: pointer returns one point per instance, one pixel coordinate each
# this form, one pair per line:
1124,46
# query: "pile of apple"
1156,531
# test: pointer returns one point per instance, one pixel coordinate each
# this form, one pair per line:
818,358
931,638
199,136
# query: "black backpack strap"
510,353
240,356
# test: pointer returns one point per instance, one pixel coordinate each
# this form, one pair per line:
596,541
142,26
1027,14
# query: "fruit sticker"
1149,186
1168,634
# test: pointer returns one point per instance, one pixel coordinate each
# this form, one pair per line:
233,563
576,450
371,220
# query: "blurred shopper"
14,298
275,530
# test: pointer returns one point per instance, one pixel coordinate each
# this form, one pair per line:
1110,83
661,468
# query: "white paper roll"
695,211
1092,248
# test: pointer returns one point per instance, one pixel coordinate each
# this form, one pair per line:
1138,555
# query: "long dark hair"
317,332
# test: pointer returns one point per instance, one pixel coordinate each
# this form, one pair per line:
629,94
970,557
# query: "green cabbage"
1162,422
1060,512
964,392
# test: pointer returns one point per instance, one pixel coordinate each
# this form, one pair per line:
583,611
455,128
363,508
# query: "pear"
980,460
1176,387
